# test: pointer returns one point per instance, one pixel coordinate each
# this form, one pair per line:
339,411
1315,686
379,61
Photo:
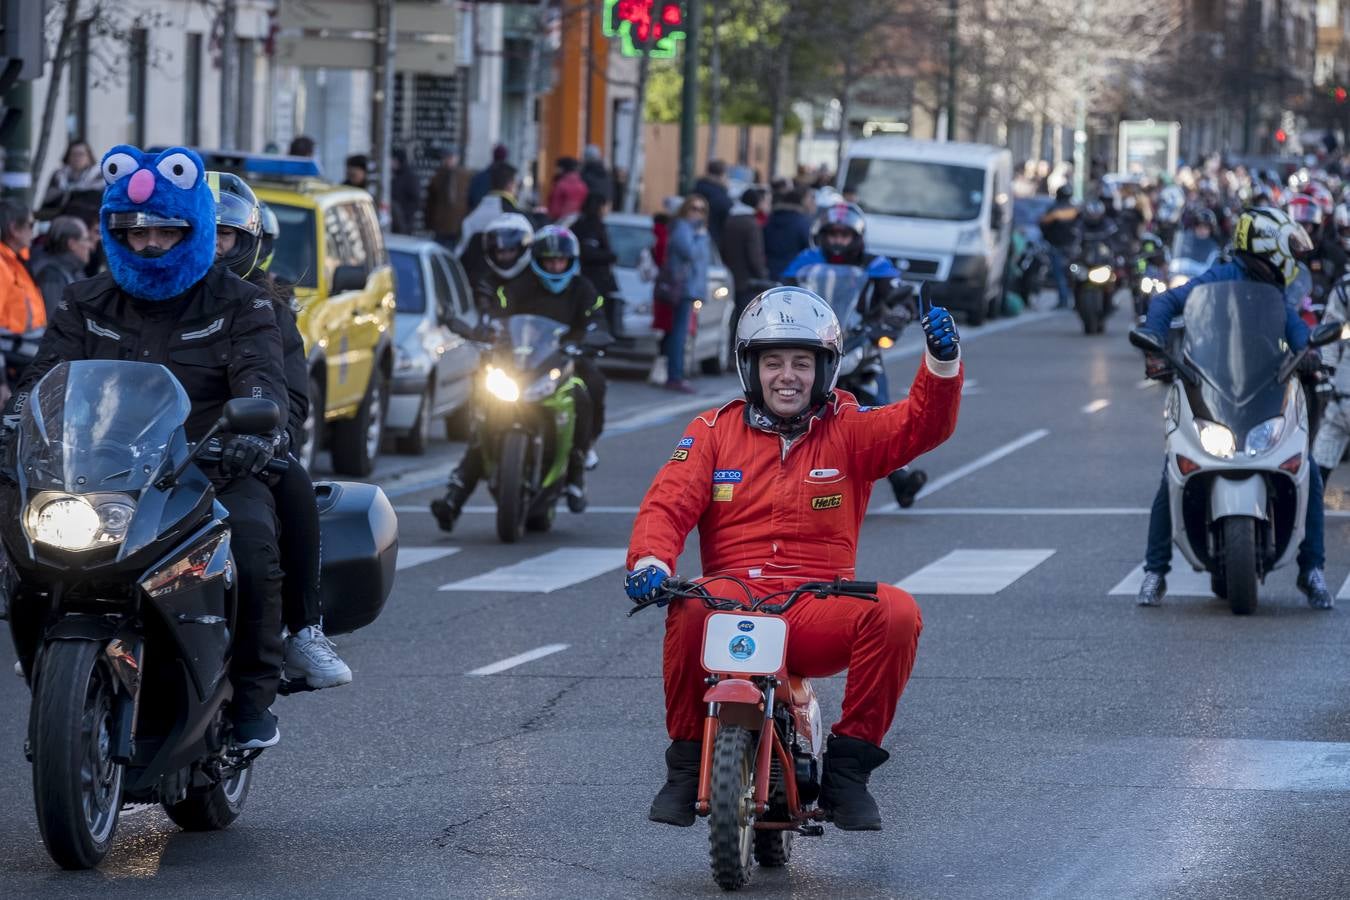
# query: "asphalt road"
1055,741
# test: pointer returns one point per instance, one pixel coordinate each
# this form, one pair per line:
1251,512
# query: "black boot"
447,508
843,784
674,803
906,484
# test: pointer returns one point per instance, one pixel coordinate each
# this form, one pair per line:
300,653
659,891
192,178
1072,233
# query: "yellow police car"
331,249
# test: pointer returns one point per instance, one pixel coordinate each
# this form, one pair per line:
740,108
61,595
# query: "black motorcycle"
1095,280
120,591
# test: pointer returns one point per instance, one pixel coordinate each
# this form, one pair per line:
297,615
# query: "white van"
942,211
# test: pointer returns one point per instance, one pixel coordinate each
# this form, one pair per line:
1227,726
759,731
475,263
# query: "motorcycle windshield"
1203,251
1235,341
533,339
100,425
840,286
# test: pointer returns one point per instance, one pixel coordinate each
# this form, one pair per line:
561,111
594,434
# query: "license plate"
743,644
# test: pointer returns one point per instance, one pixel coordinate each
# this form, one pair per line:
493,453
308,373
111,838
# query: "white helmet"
509,232
1342,221
788,317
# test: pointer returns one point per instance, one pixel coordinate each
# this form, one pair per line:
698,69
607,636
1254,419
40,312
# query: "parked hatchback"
631,238
433,367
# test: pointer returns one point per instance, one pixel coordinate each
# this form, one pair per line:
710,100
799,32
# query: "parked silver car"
631,238
433,367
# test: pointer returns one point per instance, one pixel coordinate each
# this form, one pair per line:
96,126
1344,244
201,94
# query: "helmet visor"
140,219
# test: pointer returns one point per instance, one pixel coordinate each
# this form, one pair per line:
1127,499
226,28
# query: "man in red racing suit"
778,500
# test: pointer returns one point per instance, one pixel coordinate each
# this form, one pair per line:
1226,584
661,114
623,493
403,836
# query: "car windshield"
628,242
100,425
917,190
294,259
409,292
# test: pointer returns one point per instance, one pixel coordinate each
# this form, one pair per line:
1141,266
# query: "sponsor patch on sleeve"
727,476
686,442
680,455
833,501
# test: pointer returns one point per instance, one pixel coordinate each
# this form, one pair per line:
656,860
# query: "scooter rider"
560,292
777,484
245,237
837,239
506,251
1333,435
1266,243
163,302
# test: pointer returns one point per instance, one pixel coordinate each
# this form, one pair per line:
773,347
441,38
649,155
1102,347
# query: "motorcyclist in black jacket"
163,302
560,292
506,254
245,235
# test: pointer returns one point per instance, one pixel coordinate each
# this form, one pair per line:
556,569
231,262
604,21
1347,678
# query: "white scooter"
1237,436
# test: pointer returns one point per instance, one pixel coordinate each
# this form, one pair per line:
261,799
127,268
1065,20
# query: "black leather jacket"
219,339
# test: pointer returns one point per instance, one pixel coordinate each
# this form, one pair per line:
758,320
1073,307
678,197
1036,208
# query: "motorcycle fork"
768,736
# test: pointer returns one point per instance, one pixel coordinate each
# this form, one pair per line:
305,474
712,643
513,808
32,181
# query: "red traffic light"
1280,136
1339,94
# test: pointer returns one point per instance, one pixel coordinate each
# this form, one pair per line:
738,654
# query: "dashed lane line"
975,465
1097,406
519,659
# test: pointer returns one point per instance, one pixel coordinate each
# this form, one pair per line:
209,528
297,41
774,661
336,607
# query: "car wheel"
356,441
415,442
979,311
313,436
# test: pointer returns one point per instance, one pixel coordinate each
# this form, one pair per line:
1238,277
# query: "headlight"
852,359
1146,285
721,292
543,386
78,521
501,385
1100,275
1177,281
1216,440
1264,437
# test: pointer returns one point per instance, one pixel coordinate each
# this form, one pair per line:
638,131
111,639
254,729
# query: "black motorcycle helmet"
1094,211
271,230
1064,193
838,233
237,208
1152,249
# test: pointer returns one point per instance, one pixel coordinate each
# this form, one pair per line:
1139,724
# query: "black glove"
1309,364
246,454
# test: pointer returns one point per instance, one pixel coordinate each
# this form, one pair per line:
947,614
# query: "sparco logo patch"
727,476
834,501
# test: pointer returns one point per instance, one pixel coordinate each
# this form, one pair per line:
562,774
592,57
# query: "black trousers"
589,373
255,668
298,517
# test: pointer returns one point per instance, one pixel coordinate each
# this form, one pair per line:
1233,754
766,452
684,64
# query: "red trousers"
876,642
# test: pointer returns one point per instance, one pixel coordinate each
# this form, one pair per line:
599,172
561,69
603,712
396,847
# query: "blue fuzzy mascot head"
163,190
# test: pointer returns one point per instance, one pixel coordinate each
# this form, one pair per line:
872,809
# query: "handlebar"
277,465
672,590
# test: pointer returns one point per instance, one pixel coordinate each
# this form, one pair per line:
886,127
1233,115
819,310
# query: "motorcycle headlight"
1177,281
501,385
1264,437
1100,275
543,386
1146,285
852,359
1216,439
78,521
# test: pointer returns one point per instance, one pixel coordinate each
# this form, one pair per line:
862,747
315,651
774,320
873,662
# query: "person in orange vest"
21,306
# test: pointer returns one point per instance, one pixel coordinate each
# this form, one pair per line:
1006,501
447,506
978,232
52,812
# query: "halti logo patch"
727,476
833,501
680,455
685,442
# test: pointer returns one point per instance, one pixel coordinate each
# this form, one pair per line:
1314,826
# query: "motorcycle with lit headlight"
118,584
1095,279
525,414
1237,436
869,328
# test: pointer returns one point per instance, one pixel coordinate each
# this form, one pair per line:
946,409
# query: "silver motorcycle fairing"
1238,497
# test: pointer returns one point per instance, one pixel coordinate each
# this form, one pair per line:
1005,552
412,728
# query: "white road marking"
1344,593
1011,511
989,458
973,571
416,556
1182,581
546,573
1096,406
1148,383
519,659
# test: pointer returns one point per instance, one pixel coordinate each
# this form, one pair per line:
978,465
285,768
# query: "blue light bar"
273,165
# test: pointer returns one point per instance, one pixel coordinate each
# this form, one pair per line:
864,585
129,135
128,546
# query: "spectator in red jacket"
569,190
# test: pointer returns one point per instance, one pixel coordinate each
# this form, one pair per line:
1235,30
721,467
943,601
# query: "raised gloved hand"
940,329
246,454
642,584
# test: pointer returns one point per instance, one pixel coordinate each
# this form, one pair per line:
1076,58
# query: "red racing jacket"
769,507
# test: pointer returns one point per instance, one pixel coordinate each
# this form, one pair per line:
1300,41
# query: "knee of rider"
899,615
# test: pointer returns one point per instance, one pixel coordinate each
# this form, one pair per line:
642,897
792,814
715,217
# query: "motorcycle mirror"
251,415
1147,341
1329,333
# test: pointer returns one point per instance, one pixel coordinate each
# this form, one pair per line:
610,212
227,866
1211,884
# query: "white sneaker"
18,669
592,459
657,375
311,657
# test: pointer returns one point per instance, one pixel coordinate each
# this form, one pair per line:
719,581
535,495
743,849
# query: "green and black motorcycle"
526,416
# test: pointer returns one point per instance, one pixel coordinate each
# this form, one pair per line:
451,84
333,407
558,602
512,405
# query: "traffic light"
1280,136
1339,94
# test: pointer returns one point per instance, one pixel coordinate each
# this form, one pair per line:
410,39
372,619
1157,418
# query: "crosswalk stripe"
1344,593
546,573
416,556
1181,582
974,571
